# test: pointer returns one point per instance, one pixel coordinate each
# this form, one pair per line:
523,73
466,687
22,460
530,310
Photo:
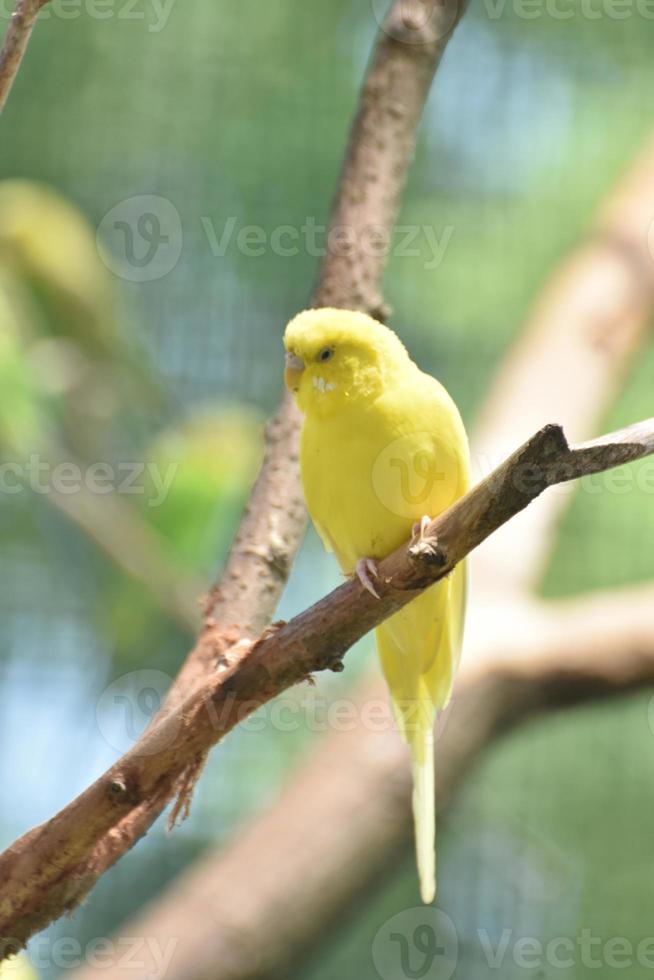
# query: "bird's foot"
366,571
420,527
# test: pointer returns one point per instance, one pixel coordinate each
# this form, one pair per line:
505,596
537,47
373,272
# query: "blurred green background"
197,120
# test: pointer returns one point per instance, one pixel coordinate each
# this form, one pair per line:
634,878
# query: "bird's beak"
294,366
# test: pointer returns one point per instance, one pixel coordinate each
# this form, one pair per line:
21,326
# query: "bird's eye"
326,354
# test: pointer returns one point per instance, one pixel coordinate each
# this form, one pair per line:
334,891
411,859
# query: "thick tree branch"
229,929
15,43
41,873
410,46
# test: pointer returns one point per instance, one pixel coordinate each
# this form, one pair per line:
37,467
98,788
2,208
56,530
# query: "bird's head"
334,357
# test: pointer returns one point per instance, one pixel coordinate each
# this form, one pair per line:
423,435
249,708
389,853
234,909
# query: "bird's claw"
419,528
365,571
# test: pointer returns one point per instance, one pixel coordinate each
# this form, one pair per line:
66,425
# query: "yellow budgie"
383,447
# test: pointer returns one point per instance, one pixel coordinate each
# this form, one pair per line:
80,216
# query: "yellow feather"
382,445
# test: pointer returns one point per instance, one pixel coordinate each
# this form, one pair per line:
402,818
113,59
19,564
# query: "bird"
383,450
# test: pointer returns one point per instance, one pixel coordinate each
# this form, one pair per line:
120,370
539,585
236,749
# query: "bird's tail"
415,712
424,816
419,648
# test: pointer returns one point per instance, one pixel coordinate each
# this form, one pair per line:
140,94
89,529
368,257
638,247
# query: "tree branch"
15,43
546,459
317,850
409,49
41,873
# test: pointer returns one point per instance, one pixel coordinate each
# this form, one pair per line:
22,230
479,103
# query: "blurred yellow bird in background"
383,447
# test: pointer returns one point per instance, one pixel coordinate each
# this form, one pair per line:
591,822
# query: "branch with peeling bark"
40,873
572,650
547,656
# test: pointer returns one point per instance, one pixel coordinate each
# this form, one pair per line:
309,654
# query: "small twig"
546,459
15,43
47,871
